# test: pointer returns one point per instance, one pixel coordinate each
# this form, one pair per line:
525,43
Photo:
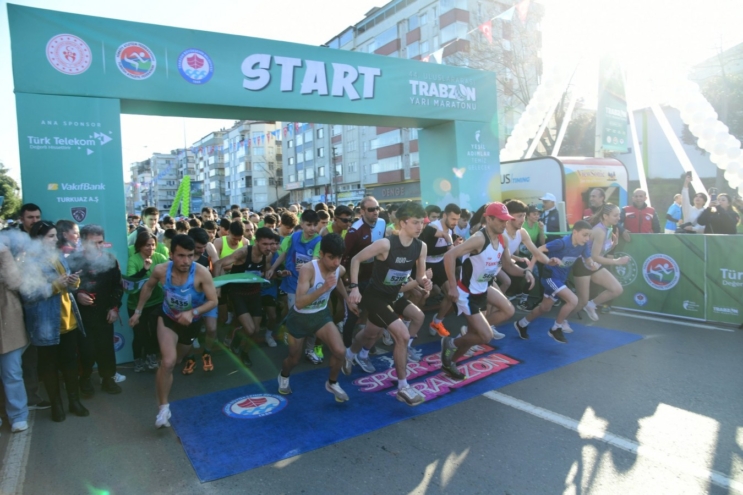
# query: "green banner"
665,275
724,279
611,114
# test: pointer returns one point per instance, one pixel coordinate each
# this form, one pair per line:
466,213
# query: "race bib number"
566,262
487,277
176,304
397,277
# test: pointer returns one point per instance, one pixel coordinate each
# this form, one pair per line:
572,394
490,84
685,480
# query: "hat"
498,210
549,197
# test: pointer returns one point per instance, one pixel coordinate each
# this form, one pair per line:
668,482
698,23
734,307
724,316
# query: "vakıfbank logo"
83,186
661,272
626,274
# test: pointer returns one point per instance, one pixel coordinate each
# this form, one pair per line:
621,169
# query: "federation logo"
254,406
79,213
135,60
626,274
118,341
661,272
195,66
68,54
641,299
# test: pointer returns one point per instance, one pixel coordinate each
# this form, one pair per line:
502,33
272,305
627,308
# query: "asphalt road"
661,415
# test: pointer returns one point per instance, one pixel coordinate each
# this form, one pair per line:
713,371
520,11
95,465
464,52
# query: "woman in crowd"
68,236
692,211
52,318
719,217
13,341
603,239
139,267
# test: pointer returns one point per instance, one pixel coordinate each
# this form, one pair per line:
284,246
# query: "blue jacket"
42,308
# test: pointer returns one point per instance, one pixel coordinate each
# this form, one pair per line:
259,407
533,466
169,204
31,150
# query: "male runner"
225,246
246,298
311,315
393,262
341,221
566,251
189,296
484,253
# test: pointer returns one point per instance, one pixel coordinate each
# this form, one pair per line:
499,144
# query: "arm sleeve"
350,240
429,237
285,244
704,217
555,245
685,204
656,223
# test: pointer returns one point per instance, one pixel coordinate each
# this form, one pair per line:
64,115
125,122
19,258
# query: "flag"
486,28
523,9
506,15
437,55
426,58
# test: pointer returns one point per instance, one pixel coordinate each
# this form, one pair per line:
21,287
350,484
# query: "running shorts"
383,309
186,334
471,304
552,286
302,325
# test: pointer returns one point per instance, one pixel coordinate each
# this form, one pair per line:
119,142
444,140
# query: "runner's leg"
331,336
605,279
400,334
505,309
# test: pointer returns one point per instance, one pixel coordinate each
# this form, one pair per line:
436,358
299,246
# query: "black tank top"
391,274
204,260
249,266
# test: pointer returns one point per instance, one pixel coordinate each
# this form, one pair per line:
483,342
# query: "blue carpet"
251,426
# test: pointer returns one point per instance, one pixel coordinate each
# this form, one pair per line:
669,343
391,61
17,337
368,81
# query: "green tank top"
227,250
532,231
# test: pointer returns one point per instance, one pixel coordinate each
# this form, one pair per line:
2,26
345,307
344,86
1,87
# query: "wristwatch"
353,286
137,312
196,312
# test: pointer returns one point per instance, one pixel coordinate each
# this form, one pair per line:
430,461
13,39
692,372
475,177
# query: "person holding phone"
719,217
691,211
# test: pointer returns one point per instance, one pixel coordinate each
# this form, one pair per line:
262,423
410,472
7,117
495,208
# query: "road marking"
677,465
13,470
673,322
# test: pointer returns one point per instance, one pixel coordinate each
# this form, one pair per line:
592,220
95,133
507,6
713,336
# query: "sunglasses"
344,220
373,209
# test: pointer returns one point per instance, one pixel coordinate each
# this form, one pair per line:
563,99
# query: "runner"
393,262
438,238
270,294
483,255
311,315
565,253
225,246
189,295
603,239
246,298
516,236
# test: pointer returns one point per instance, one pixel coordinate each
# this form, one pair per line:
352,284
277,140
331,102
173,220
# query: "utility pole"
333,175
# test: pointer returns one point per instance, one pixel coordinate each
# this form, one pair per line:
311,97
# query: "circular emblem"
135,60
118,341
195,66
661,272
626,274
68,54
254,406
641,299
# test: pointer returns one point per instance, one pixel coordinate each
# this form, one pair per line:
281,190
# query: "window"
383,38
321,172
300,175
387,164
413,133
320,152
453,31
386,139
350,145
338,170
423,47
423,18
259,150
300,158
260,182
292,177
351,167
413,22
309,173
336,129
506,30
414,160
346,37
414,49
291,161
447,5
308,136
321,133
300,139
308,155
291,143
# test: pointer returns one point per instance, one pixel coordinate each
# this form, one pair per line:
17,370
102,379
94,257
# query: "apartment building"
154,182
383,161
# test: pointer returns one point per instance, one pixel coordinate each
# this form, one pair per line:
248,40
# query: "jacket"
640,220
100,277
13,334
42,307
719,221
551,220
359,236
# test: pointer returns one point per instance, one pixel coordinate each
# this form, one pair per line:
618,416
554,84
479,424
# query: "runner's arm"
372,250
341,290
474,244
422,276
536,252
306,273
512,269
211,251
207,287
158,275
236,258
599,236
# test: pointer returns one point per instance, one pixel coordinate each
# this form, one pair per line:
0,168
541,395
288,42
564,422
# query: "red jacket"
640,221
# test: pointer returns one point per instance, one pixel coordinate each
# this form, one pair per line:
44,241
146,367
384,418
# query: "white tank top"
513,244
479,270
317,282
440,242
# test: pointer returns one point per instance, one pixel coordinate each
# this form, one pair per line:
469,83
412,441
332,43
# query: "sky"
661,36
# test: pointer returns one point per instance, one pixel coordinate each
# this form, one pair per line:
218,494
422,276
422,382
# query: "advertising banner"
529,180
71,156
665,275
724,279
611,114
580,178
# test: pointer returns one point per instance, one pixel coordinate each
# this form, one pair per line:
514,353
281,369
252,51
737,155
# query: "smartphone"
712,194
688,175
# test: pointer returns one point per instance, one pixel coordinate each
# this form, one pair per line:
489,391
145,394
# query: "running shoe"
365,364
229,319
453,371
557,303
163,417
335,389
387,338
558,336
432,331
521,330
312,357
196,344
118,378
410,396
447,351
152,362
206,358
566,328
44,404
245,358
590,310
189,367
496,334
347,367
605,309
270,341
414,355
139,365
439,328
284,388
318,352
19,426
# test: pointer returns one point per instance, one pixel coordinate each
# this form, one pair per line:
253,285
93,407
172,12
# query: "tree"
725,93
10,190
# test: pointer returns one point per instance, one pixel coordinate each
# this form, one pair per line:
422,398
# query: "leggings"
62,356
145,332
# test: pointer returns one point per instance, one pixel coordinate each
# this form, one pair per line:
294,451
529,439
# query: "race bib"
176,304
396,277
300,260
487,276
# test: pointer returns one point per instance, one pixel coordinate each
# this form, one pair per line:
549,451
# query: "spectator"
673,215
720,217
168,223
692,211
534,227
433,213
29,215
68,236
639,218
168,236
550,217
596,201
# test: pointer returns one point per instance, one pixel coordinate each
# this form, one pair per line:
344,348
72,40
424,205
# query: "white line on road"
13,470
672,322
677,465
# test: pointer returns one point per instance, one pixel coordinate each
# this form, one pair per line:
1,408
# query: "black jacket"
551,222
100,276
719,221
